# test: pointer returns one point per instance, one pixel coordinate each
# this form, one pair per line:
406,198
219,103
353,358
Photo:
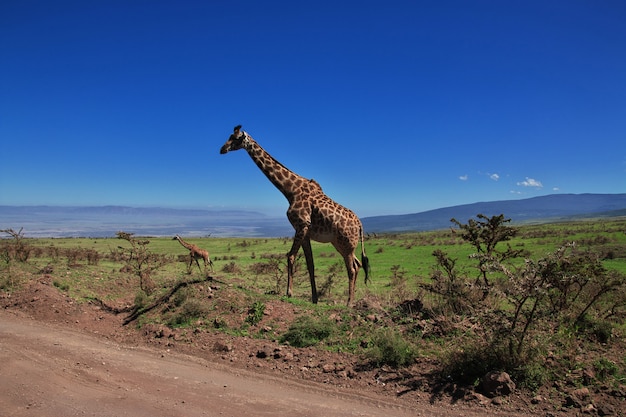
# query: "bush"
141,299
63,286
306,331
388,347
188,311
605,368
17,249
255,314
231,268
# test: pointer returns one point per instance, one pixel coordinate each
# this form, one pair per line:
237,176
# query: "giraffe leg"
190,264
352,266
308,255
197,263
291,258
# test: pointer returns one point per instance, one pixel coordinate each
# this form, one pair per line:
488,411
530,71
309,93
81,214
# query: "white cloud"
463,177
494,177
530,182
555,189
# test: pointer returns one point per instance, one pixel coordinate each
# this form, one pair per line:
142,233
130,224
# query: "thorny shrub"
16,249
522,308
140,261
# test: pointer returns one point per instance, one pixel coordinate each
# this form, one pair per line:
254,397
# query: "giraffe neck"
285,180
185,244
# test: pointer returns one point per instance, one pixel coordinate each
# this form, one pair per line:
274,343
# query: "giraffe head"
238,140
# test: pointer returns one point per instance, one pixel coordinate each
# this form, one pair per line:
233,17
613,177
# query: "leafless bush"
17,249
330,280
140,260
231,268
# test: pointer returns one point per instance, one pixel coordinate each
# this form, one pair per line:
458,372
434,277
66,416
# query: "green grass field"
260,264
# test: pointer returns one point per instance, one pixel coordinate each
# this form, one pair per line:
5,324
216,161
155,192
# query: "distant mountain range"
555,207
105,221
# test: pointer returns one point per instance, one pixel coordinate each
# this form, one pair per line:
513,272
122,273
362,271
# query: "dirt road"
50,370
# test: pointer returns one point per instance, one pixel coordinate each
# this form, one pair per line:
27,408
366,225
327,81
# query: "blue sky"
393,107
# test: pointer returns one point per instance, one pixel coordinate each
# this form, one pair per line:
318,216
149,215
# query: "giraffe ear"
237,128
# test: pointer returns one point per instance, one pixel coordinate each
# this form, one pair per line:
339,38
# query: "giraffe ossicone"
313,215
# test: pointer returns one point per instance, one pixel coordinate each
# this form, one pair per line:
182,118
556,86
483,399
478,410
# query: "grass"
308,331
251,274
242,259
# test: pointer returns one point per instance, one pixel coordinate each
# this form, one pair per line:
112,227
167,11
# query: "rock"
157,331
606,410
477,398
578,398
327,368
588,376
220,346
497,383
537,399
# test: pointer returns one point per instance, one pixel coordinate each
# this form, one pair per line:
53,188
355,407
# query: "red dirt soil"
60,357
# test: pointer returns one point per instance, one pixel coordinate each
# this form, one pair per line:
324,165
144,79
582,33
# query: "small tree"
141,261
18,249
522,313
484,235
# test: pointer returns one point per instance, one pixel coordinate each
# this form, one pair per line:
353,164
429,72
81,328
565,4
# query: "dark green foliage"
63,286
307,331
484,235
522,308
190,309
255,314
388,347
605,368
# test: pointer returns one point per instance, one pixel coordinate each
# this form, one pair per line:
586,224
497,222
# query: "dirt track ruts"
47,369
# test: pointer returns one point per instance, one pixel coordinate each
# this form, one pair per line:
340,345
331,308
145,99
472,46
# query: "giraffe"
195,253
313,215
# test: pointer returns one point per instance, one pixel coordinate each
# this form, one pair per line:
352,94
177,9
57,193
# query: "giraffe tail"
365,261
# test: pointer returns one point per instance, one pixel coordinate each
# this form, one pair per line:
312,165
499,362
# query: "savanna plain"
483,318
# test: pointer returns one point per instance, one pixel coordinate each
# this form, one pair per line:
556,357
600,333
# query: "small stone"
537,399
606,410
327,368
497,383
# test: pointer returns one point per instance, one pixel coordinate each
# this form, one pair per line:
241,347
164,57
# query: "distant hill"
548,208
105,221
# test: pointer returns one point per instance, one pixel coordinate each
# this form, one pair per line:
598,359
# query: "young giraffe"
195,253
312,214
